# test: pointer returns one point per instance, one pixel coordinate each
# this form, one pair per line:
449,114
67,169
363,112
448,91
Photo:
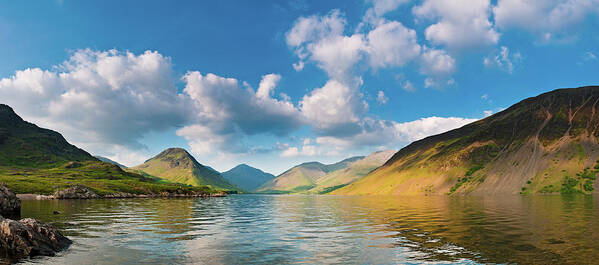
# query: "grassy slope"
316,177
354,171
540,145
177,165
37,160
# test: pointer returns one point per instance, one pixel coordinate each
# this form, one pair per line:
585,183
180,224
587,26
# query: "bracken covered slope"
177,165
544,144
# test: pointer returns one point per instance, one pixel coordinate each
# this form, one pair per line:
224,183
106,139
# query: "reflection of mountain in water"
327,229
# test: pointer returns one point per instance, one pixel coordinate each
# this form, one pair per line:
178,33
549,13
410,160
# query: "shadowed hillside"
544,144
246,177
41,161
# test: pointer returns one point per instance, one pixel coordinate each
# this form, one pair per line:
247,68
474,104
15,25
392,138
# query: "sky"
276,83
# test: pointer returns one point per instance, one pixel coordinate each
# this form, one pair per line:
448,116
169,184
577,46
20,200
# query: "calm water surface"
257,229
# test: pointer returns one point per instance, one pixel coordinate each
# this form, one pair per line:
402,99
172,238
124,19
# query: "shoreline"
33,197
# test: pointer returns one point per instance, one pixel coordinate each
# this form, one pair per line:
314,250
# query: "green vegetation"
330,189
473,169
41,161
551,129
468,176
318,178
178,166
103,178
568,186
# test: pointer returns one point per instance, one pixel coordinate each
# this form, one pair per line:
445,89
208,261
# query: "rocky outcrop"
76,192
10,205
29,237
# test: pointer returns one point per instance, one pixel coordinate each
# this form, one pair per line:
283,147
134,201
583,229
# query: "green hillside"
40,161
354,171
178,166
304,177
544,144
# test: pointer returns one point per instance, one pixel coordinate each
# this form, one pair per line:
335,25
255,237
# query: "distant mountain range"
107,160
315,177
246,177
544,144
177,165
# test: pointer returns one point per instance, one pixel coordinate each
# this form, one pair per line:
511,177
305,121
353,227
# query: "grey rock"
29,237
76,192
10,204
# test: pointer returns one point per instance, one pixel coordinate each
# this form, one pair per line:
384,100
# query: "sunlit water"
256,229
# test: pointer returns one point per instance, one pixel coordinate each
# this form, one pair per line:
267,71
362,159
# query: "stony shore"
26,237
83,192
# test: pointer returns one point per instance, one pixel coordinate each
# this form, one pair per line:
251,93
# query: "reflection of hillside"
509,229
329,229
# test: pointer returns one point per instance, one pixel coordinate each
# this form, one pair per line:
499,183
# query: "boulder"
10,205
29,237
76,192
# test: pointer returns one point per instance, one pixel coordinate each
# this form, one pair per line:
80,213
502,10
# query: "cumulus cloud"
543,16
459,24
390,134
226,110
392,44
102,100
502,59
381,7
334,108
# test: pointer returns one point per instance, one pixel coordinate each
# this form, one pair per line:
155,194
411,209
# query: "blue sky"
276,83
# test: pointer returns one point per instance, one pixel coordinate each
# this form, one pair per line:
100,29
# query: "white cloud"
290,152
408,86
100,101
381,7
338,54
390,134
226,111
502,59
334,107
267,85
392,44
322,41
438,83
381,98
543,16
488,113
484,97
437,63
459,24
589,56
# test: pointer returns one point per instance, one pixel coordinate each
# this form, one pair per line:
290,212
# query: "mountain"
303,177
41,161
177,165
544,144
246,177
352,172
23,144
107,160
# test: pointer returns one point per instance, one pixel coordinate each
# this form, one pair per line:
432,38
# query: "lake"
298,229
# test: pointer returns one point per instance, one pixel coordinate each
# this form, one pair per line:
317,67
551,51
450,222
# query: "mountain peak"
177,165
8,117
